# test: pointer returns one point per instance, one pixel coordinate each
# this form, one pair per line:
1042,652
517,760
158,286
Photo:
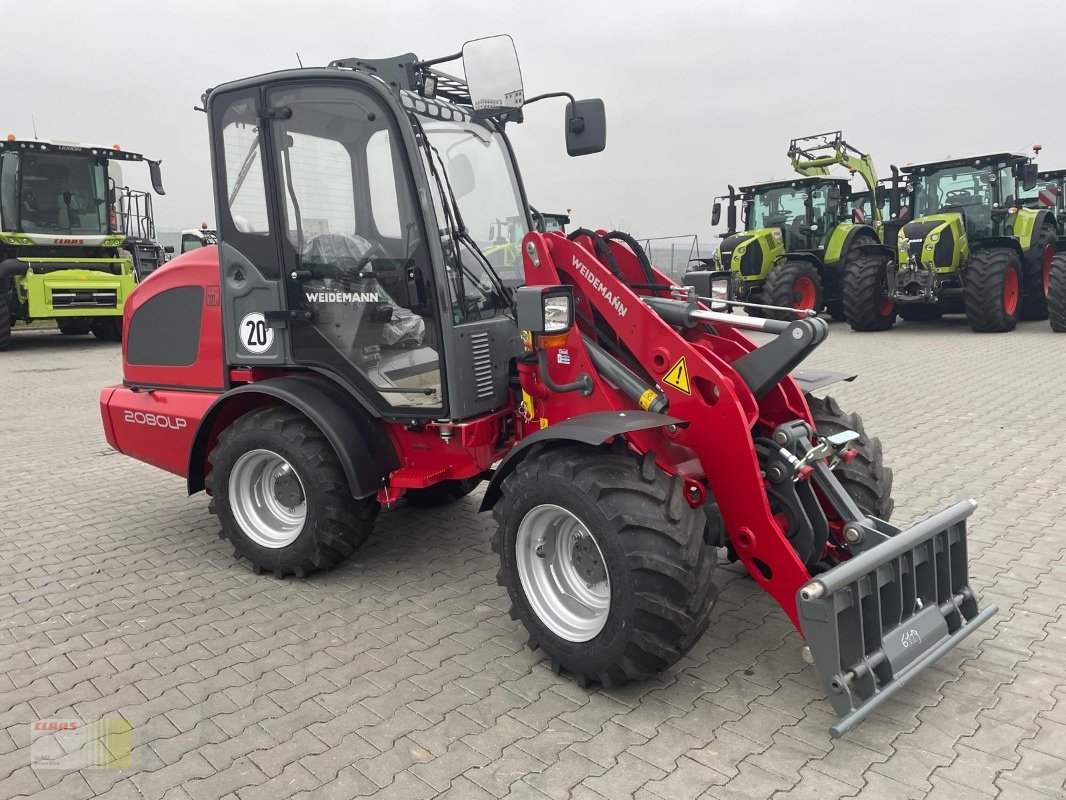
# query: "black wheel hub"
287,490
586,560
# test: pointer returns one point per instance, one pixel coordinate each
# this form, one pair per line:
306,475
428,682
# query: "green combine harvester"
800,233
65,222
969,245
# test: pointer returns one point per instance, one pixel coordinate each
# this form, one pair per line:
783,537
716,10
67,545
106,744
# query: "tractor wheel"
281,496
992,288
605,562
1035,279
5,320
443,493
1056,293
792,284
107,329
920,312
72,326
865,477
867,305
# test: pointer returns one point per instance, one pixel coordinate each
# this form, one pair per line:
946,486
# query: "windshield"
777,208
958,186
478,166
61,194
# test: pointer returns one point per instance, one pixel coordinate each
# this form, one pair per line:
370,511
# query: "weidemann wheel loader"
347,344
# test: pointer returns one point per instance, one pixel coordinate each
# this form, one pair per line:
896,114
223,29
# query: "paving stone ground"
399,674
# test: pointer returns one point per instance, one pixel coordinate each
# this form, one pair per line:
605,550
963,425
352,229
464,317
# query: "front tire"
867,305
5,319
107,329
281,495
643,592
72,326
1034,304
992,289
865,477
793,284
1057,293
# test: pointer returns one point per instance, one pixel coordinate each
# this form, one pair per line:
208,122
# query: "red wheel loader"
349,343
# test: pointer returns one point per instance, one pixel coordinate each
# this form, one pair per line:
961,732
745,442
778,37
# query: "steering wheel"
957,194
354,272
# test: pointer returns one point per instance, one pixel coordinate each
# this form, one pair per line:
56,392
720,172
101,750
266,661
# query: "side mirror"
168,248
157,177
461,175
493,75
716,213
545,309
586,127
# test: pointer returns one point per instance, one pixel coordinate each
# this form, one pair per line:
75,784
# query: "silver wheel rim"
255,482
563,573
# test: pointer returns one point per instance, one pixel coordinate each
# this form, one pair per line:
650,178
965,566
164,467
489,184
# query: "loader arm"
814,155
895,601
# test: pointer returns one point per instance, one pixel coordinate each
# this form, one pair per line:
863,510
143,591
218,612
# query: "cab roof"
71,148
797,182
970,161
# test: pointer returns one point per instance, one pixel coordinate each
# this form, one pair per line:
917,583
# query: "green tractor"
968,245
64,224
1050,192
799,233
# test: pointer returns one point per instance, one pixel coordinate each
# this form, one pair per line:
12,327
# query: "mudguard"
903,600
593,429
363,447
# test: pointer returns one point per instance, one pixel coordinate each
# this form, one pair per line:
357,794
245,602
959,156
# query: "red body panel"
155,426
196,268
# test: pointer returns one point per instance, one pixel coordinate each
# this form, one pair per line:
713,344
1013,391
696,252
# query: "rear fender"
363,447
844,237
1027,223
592,429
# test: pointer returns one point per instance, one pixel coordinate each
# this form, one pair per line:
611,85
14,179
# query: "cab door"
336,275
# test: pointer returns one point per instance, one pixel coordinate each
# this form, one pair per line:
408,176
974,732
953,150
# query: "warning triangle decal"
678,377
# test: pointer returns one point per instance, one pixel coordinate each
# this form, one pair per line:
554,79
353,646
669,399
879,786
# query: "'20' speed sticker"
254,333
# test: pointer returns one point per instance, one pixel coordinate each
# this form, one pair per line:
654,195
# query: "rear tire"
656,562
72,326
1057,293
443,493
920,312
324,525
5,319
107,329
793,284
992,289
1034,304
867,305
865,477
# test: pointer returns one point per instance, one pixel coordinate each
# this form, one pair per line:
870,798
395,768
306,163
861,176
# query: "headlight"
557,315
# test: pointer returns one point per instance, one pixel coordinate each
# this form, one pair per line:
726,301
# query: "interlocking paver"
400,674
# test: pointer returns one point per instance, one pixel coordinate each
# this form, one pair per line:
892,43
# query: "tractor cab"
804,210
547,221
195,238
1048,192
372,213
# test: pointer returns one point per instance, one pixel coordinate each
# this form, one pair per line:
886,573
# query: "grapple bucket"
875,621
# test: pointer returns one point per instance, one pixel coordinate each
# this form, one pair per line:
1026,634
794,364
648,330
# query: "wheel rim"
1010,291
267,498
1049,255
803,293
563,573
886,307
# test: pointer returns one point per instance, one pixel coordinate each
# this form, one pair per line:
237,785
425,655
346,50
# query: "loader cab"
804,210
360,210
980,189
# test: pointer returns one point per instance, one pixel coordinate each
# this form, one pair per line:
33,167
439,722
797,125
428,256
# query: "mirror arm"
546,95
442,60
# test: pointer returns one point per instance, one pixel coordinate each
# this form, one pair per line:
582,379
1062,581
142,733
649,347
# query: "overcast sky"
698,94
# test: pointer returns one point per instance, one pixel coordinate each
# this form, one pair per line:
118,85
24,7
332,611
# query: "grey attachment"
876,621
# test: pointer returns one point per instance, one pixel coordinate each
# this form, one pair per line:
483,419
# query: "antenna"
34,121
299,61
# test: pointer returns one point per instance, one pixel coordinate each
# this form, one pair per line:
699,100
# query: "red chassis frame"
158,425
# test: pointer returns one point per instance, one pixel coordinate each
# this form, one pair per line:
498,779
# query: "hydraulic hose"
583,383
638,251
603,252
12,266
